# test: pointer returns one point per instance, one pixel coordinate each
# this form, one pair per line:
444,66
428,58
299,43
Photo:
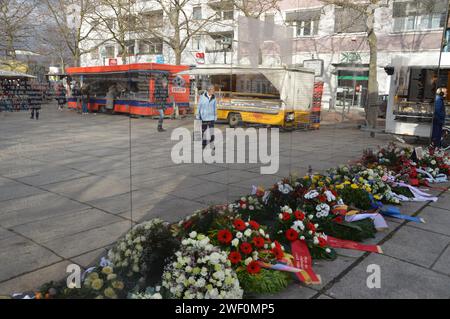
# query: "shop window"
419,15
197,13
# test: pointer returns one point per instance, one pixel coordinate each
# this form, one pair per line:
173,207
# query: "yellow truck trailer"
274,96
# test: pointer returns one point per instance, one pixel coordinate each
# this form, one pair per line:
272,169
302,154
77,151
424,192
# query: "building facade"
329,38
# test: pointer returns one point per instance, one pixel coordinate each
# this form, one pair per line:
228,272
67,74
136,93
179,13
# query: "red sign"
112,62
200,56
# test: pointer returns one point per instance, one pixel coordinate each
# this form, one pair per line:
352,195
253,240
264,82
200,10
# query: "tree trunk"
372,103
177,56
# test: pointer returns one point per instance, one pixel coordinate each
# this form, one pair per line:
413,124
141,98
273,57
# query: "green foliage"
266,282
357,198
354,231
403,191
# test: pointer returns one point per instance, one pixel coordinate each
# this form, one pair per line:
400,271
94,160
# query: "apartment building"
331,39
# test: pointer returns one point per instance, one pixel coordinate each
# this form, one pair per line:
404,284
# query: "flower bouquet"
141,254
296,225
250,251
200,270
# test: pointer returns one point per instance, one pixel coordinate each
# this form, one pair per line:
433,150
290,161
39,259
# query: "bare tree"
117,21
177,24
15,25
256,8
73,23
367,9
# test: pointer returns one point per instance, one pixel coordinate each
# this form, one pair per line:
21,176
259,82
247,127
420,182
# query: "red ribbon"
303,260
348,244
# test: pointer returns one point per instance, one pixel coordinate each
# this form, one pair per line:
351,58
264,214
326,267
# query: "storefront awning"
12,74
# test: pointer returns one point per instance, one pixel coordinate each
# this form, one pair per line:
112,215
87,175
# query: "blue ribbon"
392,211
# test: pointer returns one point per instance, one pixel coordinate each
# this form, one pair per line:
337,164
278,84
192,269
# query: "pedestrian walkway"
65,198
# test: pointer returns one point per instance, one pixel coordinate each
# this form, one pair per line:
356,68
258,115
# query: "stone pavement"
65,198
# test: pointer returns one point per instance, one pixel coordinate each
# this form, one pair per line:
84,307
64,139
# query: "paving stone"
31,281
443,202
168,185
121,203
437,220
19,255
40,209
198,191
171,209
52,176
416,246
4,233
443,263
17,190
399,280
65,225
90,188
77,244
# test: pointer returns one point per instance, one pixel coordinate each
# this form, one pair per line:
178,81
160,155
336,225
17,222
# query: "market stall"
412,93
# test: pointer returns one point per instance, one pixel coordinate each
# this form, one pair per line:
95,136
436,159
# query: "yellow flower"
97,284
340,186
111,277
347,183
118,285
321,184
306,177
110,293
107,270
377,197
354,186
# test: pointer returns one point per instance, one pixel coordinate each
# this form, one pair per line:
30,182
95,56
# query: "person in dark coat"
85,97
439,117
35,98
161,95
61,96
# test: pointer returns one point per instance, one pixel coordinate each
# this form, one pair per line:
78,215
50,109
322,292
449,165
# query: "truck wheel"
234,119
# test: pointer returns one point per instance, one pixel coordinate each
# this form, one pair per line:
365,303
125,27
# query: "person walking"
111,97
439,117
35,101
207,113
61,96
85,98
160,96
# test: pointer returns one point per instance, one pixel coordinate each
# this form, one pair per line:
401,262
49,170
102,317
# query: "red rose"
253,268
286,216
322,242
239,224
333,191
258,242
299,215
291,234
235,257
254,224
277,251
339,219
224,236
246,248
322,198
187,224
311,227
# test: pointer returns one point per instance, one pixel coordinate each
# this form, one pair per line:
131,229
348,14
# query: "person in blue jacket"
207,113
439,117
